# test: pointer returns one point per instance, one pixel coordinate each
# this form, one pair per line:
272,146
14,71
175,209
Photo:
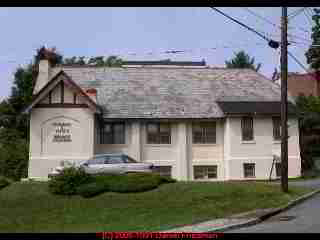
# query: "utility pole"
284,103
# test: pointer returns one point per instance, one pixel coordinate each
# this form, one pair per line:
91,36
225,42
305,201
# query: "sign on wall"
62,132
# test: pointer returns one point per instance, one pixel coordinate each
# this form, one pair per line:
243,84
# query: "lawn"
29,207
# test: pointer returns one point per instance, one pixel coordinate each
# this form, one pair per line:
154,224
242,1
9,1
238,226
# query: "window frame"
244,131
158,135
276,129
206,172
104,136
204,132
245,175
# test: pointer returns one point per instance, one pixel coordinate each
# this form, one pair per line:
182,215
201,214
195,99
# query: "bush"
14,152
135,183
67,182
92,189
127,183
3,182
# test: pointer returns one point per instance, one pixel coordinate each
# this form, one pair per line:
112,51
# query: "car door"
95,165
116,164
132,165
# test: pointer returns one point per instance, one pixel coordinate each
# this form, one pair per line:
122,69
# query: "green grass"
29,207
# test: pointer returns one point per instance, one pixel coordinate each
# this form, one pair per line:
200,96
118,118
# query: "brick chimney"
92,93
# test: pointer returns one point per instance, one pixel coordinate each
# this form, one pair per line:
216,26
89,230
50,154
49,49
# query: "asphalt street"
303,218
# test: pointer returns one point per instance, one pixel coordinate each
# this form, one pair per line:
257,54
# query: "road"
303,218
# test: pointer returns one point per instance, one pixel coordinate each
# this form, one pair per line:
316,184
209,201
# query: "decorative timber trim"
61,92
61,105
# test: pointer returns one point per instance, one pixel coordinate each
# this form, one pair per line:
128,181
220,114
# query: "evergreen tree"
242,60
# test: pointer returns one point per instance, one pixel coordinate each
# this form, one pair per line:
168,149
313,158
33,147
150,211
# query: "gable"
62,92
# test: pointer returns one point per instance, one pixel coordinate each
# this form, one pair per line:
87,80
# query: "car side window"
115,159
97,160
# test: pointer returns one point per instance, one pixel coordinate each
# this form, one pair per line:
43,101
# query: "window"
115,159
249,170
164,170
204,132
276,128
113,133
247,128
278,169
97,160
205,172
158,133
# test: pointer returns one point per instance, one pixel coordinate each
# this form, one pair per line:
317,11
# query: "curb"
265,216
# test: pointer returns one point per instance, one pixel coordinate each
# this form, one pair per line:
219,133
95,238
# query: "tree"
242,60
309,127
14,125
313,53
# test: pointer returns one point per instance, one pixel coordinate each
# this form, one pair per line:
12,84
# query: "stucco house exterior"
195,122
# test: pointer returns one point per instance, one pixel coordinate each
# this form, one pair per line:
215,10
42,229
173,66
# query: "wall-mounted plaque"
62,132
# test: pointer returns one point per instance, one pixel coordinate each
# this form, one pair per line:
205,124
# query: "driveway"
304,217
312,183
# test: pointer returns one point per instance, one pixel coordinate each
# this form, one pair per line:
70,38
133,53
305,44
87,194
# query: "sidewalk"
240,220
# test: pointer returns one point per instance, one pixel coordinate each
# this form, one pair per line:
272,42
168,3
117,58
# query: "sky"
147,32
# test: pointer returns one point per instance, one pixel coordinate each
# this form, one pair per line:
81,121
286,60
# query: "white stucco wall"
46,154
210,154
261,150
228,154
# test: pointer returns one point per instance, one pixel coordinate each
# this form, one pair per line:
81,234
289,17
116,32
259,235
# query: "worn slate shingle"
171,92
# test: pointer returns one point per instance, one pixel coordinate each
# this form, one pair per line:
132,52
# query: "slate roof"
147,92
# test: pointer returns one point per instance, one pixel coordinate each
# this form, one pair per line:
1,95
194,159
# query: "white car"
109,163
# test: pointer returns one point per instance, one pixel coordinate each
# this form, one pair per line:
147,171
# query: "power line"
261,17
310,13
297,61
272,43
301,65
168,52
296,13
272,23
307,16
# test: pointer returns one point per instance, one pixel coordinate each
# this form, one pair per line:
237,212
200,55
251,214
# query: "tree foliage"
309,126
100,61
313,53
242,60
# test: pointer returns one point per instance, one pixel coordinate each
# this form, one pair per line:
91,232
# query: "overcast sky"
123,31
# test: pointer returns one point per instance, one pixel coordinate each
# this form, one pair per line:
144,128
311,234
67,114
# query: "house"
193,121
303,84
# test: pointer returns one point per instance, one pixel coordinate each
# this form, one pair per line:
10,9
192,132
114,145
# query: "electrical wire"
261,17
170,52
307,16
297,61
301,65
273,24
242,24
296,13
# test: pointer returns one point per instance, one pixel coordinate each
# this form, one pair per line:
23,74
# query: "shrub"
14,152
134,183
166,179
92,189
67,182
3,182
